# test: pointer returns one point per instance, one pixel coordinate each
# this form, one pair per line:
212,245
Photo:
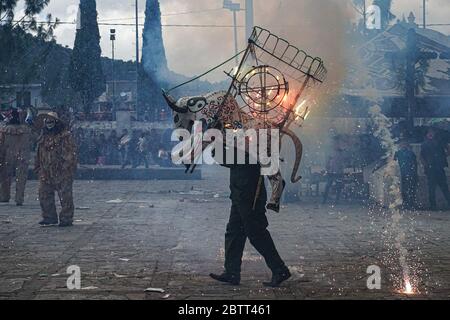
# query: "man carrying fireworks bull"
265,88
248,209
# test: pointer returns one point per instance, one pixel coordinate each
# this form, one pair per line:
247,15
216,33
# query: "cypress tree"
154,58
154,70
86,73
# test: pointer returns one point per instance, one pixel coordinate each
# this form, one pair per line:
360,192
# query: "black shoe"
273,207
278,278
19,204
4,201
227,278
65,224
48,222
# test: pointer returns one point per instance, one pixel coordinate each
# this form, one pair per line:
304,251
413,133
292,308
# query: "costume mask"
50,123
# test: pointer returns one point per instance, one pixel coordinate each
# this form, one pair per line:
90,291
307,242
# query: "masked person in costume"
15,146
56,164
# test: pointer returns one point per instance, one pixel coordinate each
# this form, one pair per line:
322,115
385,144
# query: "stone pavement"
132,235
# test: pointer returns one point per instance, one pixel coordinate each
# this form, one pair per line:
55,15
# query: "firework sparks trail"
382,131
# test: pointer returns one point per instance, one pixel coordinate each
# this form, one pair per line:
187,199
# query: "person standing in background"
102,149
124,143
56,164
434,159
113,148
16,140
407,161
335,173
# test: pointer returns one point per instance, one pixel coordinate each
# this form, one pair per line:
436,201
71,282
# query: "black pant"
437,178
139,159
409,190
334,178
246,222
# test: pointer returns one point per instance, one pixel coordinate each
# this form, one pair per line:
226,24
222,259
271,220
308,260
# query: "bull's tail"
298,154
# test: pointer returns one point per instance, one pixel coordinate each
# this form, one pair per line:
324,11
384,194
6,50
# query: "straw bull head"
188,110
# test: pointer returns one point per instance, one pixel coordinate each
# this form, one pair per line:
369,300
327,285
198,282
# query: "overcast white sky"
194,43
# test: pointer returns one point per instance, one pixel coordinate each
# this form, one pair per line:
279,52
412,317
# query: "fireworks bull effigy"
266,92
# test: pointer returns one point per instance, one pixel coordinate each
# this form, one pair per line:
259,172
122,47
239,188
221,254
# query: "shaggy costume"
15,147
56,163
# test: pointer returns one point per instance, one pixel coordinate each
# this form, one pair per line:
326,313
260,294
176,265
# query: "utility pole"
365,14
424,14
411,56
112,37
249,19
233,7
137,57
235,34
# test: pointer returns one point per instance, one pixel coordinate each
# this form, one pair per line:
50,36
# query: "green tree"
27,21
25,43
85,71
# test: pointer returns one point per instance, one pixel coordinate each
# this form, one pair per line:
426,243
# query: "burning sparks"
298,109
395,234
408,287
301,112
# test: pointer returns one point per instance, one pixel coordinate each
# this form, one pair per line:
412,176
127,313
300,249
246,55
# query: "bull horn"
298,154
173,104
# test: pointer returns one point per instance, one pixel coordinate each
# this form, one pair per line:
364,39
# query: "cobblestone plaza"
132,235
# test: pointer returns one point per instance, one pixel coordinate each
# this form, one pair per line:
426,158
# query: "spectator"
434,158
101,147
129,147
164,151
82,142
133,150
154,139
407,161
113,149
92,148
335,174
143,150
124,143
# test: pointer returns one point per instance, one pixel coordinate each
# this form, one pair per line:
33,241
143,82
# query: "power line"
189,12
141,24
118,19
188,25
165,15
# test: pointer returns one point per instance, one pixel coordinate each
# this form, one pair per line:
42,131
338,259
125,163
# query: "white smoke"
318,27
